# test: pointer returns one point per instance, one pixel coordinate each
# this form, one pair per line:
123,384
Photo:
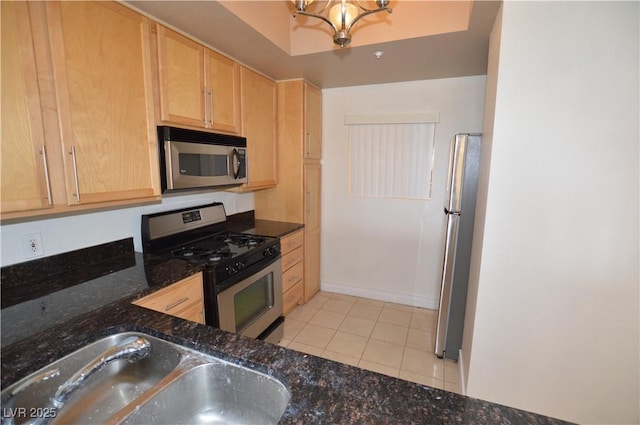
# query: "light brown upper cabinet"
198,87
312,122
92,98
101,64
259,106
25,182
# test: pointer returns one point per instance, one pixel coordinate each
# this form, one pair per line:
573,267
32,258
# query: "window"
391,160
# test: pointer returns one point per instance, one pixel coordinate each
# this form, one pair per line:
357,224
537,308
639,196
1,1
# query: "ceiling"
450,54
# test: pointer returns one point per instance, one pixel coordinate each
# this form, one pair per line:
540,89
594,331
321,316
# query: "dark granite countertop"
246,223
40,294
322,391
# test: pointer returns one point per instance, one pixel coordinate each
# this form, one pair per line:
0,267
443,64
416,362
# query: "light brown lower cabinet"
292,248
182,299
292,298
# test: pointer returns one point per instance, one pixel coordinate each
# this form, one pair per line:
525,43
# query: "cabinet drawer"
292,298
291,276
193,313
291,242
288,260
175,298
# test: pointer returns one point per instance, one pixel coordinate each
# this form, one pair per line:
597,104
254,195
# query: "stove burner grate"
202,254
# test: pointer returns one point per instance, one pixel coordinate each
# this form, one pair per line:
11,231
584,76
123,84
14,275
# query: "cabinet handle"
175,303
211,106
308,144
75,173
205,121
308,203
43,152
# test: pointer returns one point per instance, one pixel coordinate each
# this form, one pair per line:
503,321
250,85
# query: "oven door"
250,306
191,165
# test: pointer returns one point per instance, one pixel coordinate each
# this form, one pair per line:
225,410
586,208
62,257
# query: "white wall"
83,230
481,199
556,312
390,249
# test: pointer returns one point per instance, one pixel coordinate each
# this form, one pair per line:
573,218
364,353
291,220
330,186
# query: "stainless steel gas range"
242,272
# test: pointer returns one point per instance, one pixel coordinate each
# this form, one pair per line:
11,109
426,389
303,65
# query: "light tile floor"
392,339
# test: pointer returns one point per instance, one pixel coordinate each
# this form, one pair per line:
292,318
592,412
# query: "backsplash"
69,233
39,294
33,279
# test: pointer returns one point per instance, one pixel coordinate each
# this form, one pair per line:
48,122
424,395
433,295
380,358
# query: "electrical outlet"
32,245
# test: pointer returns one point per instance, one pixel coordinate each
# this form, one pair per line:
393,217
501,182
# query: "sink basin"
216,393
172,385
107,391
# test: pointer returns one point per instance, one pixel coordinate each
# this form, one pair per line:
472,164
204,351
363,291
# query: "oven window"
201,165
253,301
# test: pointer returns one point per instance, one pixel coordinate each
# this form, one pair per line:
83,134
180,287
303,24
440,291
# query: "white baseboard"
376,294
462,385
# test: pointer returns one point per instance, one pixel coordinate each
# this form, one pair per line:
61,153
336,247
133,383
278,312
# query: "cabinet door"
194,313
24,178
259,127
292,298
101,60
182,299
223,92
311,263
312,180
312,122
181,75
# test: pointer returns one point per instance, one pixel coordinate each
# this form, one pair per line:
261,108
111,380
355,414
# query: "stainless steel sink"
172,384
103,394
216,393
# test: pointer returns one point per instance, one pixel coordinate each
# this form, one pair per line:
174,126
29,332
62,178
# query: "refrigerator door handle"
447,211
457,161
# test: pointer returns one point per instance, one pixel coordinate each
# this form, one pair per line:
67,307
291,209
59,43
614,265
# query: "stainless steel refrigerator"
462,184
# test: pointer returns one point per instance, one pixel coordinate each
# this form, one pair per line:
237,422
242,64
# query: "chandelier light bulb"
343,14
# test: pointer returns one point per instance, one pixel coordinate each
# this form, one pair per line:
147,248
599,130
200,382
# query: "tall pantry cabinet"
296,198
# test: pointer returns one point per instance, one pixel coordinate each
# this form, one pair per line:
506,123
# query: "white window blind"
391,160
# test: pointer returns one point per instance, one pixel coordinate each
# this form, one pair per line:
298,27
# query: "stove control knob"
231,270
269,251
240,266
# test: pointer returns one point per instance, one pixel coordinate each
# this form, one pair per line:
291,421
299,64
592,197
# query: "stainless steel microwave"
191,159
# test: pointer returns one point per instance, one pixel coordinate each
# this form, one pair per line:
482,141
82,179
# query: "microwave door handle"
235,161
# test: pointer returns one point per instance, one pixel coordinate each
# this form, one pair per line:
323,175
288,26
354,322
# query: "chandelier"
343,15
